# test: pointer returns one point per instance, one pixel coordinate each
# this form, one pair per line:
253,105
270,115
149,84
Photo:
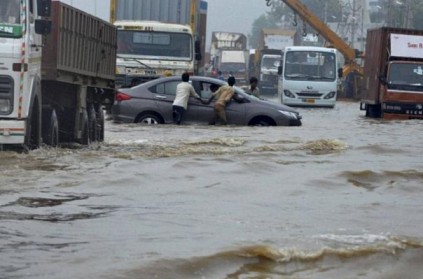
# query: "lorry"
393,74
56,74
268,57
158,38
228,52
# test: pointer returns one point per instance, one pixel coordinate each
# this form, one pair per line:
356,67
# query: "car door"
164,95
204,112
235,112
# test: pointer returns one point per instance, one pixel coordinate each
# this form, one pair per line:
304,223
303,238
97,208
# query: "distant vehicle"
151,103
309,77
393,79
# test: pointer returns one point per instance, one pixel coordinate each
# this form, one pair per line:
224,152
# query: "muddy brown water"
339,197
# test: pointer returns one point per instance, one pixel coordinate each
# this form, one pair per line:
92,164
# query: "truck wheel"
85,136
374,111
100,124
33,127
51,135
93,131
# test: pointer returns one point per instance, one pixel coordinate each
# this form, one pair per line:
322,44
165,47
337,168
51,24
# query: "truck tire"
85,136
51,134
33,126
100,124
374,111
93,130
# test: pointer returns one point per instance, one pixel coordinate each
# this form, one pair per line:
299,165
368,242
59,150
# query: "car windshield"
155,45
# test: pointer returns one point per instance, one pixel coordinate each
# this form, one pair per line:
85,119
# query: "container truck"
268,57
56,72
393,74
158,38
229,54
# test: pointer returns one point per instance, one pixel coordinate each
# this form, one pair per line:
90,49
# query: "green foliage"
261,22
326,10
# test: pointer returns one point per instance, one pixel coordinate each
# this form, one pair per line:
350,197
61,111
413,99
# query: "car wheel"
149,119
262,122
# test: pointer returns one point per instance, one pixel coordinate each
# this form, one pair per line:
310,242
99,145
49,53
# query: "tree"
261,22
327,11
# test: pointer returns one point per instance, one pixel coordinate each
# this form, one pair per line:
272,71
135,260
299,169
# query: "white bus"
309,76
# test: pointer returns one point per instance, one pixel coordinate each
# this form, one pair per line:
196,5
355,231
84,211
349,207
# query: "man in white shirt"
180,105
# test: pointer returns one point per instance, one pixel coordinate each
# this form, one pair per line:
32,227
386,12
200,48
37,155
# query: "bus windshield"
310,65
155,45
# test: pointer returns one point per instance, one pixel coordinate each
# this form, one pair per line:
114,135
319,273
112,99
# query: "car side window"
207,89
158,89
170,87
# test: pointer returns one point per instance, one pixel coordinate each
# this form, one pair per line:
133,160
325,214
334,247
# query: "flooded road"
339,197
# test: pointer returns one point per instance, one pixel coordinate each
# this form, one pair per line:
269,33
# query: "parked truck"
229,54
158,38
393,74
56,72
268,57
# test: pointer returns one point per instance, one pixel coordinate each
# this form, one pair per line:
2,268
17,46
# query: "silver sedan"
151,103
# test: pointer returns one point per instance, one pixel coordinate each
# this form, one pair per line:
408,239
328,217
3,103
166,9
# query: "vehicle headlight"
289,114
330,95
5,106
288,94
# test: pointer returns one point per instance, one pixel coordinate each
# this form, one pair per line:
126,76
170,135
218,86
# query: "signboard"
410,46
227,40
278,41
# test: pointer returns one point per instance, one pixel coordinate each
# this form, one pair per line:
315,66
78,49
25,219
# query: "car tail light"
122,97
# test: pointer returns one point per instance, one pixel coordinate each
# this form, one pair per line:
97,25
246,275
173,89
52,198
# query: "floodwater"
339,197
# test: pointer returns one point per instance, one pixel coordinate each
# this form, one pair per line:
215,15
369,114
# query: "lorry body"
158,38
52,89
225,49
234,62
268,57
393,74
309,76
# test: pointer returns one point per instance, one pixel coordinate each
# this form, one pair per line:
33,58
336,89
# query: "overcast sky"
223,15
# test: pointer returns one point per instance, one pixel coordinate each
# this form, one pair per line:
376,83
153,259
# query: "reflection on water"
339,197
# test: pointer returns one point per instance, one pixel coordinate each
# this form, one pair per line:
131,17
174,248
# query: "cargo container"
229,54
393,74
56,75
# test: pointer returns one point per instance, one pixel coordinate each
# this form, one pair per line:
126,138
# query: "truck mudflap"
12,131
402,110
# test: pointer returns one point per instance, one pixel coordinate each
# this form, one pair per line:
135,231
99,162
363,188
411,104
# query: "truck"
268,57
229,54
393,74
56,74
158,38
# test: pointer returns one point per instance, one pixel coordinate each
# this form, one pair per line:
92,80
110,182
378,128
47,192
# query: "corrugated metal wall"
79,45
173,11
